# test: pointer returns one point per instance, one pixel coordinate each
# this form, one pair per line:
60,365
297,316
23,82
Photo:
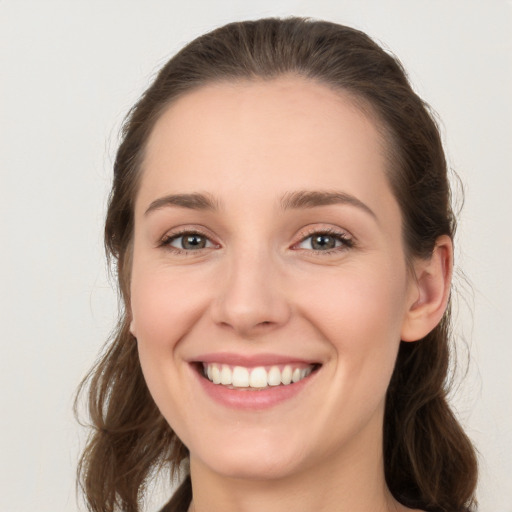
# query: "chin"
260,460
254,468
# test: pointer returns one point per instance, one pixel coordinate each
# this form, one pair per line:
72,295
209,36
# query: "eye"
325,241
187,241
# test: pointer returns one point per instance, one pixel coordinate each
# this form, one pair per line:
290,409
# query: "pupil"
193,242
323,242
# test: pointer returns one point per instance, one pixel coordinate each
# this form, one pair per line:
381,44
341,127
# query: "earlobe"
431,291
132,328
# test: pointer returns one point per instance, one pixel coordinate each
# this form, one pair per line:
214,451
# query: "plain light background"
70,70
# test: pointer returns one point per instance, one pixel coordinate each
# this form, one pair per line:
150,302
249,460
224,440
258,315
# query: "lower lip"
253,400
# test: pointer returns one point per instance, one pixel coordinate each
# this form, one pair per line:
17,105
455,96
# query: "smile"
259,377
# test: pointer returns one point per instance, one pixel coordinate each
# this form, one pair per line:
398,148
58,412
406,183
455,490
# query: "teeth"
274,376
286,375
258,377
296,375
240,377
216,375
225,375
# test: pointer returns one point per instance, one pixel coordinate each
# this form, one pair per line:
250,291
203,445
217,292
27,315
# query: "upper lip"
250,361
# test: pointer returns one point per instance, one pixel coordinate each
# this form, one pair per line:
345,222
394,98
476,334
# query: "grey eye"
320,242
326,241
190,242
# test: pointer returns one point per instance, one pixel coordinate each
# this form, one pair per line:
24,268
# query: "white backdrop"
70,70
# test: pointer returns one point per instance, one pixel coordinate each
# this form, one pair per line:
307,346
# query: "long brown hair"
429,461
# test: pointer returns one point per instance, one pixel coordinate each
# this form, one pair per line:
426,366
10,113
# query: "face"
269,286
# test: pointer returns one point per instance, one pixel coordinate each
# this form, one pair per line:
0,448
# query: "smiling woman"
281,226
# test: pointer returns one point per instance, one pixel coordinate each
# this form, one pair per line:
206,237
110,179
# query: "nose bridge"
251,295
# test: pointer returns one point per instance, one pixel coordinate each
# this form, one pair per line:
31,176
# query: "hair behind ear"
425,449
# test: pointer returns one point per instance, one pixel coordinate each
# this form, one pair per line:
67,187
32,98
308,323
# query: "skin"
257,286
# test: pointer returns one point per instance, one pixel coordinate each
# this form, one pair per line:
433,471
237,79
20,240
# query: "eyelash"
340,236
346,241
168,239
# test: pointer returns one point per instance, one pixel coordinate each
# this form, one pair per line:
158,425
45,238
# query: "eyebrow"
300,199
194,201
311,198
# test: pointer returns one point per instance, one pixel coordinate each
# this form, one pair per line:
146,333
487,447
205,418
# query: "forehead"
267,136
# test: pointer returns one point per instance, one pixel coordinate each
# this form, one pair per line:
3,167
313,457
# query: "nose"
252,298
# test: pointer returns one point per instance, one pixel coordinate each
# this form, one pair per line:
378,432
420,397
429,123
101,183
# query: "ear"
430,290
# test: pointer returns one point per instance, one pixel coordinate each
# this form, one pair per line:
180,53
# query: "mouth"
256,378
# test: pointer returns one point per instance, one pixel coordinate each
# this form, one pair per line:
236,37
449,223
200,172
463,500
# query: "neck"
351,480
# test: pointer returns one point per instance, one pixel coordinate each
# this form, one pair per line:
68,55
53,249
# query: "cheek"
360,313
164,310
164,305
354,300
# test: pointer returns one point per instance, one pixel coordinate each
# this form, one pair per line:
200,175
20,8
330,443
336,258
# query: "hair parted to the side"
429,461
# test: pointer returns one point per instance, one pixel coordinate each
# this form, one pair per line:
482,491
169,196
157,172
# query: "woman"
281,225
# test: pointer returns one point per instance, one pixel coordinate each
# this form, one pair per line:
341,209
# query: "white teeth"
286,375
258,377
225,375
215,374
274,376
240,377
296,375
